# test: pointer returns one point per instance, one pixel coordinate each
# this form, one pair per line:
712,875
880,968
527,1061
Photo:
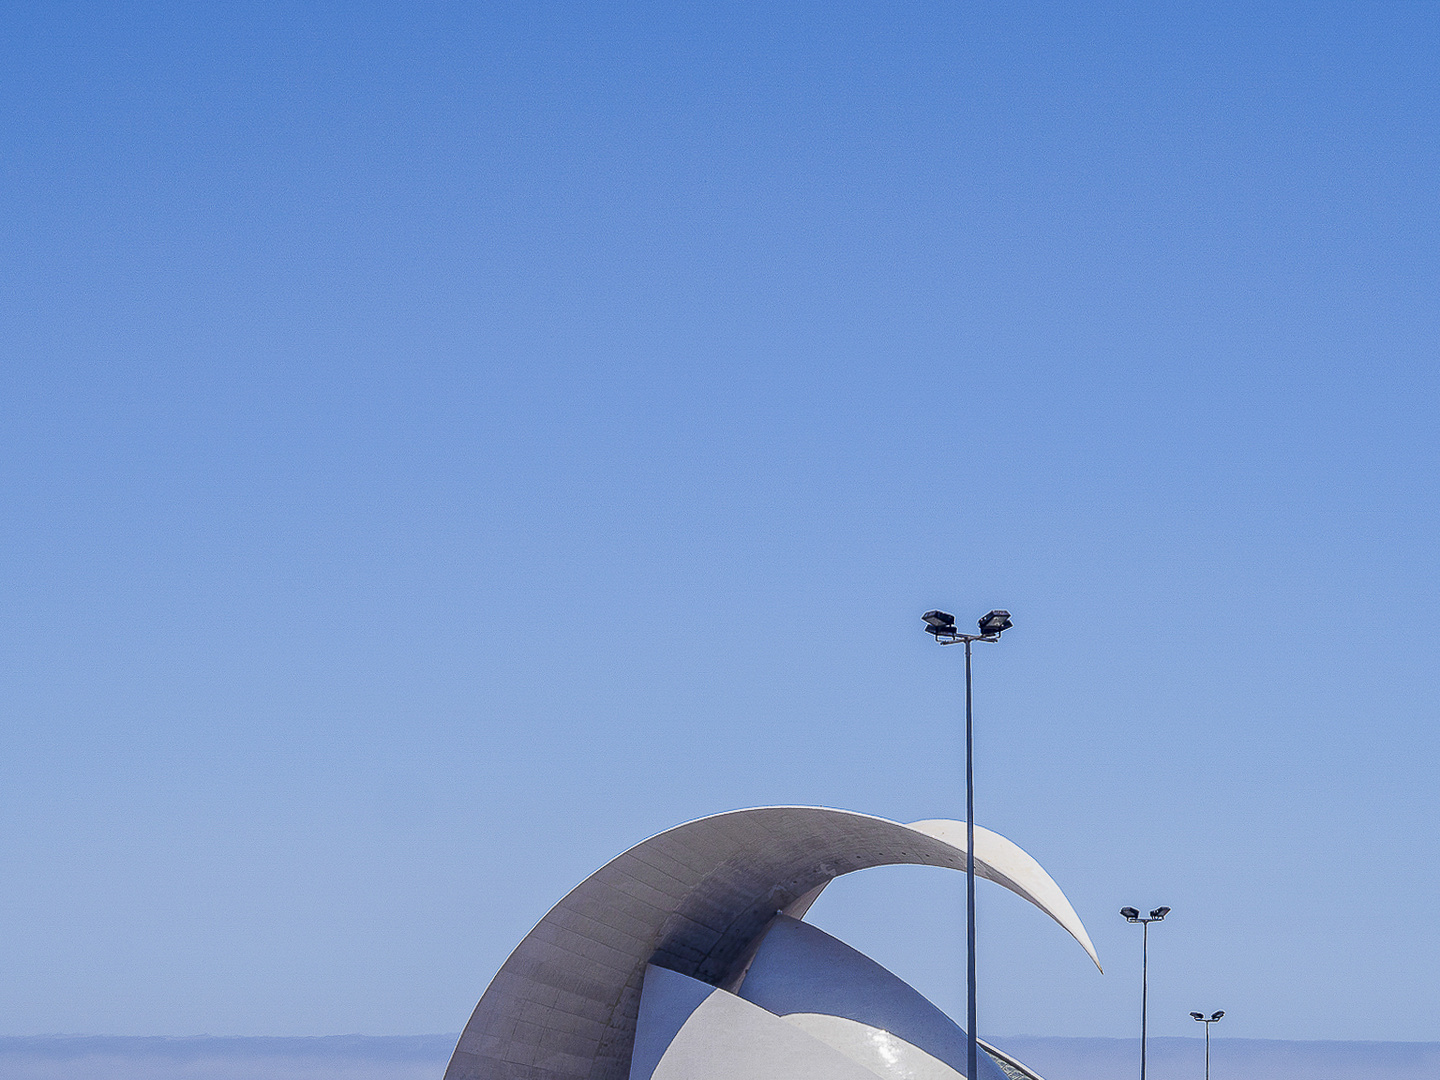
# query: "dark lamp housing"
1129,913
995,623
1218,1015
1197,1016
1160,913
939,622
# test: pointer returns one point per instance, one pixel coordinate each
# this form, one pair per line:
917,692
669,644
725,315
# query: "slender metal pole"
972,1052
1207,1049
1145,990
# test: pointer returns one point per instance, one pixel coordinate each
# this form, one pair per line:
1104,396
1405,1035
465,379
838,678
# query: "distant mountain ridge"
423,1057
388,1047
207,1057
1171,1058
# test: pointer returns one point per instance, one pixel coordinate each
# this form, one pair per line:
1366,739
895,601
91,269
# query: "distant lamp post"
942,625
1131,914
1207,1022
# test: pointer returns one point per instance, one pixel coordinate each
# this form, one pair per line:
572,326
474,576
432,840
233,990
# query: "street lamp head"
1159,913
1197,1016
1130,913
939,623
995,623
1218,1015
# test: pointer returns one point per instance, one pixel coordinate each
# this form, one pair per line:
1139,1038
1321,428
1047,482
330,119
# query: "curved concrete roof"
842,997
694,899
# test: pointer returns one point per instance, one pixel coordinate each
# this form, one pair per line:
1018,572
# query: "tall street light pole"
1201,1018
942,626
1132,915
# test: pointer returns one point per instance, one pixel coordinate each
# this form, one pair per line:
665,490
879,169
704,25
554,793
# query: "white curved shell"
844,998
724,1037
882,1052
693,900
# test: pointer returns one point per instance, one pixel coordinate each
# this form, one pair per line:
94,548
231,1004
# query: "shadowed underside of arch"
695,899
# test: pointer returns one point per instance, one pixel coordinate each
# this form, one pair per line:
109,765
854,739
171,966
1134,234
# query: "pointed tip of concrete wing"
1007,864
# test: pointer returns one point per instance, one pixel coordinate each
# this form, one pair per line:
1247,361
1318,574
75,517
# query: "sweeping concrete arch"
694,900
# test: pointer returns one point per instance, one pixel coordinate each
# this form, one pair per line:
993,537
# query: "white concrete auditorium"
687,958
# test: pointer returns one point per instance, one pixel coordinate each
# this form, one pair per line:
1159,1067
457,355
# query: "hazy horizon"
423,1057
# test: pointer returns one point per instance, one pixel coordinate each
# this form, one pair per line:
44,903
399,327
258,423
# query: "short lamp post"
1132,915
942,625
1207,1022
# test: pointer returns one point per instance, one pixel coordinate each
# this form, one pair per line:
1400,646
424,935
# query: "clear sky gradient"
444,443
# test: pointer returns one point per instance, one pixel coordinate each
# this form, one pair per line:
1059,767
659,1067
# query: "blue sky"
443,444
